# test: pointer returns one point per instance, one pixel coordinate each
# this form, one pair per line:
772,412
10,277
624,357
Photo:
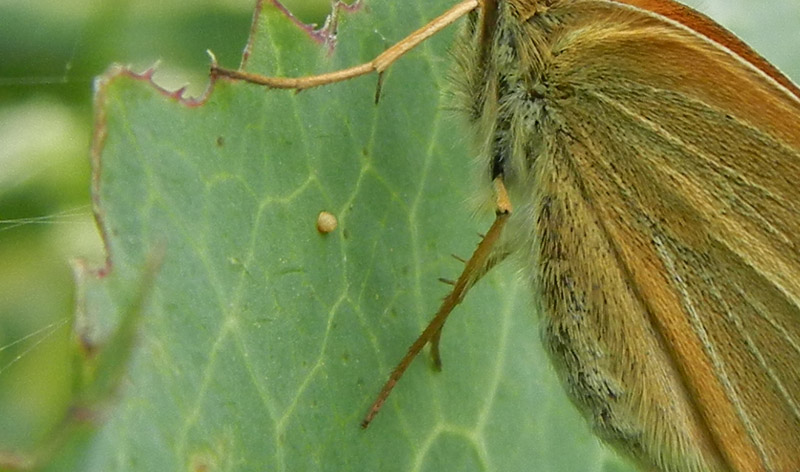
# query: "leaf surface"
263,342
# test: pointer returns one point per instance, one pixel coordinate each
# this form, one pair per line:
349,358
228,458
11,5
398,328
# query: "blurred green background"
50,51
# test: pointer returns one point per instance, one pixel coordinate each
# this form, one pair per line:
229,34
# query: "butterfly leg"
480,272
379,64
481,261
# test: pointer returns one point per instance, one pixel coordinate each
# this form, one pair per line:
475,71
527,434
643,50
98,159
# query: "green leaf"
263,341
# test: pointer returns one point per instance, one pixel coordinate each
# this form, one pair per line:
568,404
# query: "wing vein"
767,272
721,169
793,405
720,368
